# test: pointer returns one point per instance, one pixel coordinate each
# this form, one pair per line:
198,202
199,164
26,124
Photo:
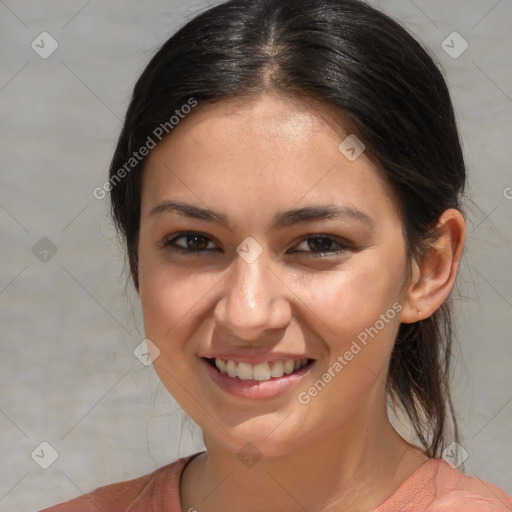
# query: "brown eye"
320,245
190,243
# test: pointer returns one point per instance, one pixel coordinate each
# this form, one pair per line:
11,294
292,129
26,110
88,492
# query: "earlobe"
434,278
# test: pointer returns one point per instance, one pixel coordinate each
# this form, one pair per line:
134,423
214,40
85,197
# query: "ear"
434,277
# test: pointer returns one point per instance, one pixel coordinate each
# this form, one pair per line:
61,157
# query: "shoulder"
439,487
457,491
137,492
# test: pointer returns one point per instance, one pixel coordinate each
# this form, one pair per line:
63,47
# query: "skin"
250,159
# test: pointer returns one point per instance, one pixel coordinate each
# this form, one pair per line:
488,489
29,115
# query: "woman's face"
239,261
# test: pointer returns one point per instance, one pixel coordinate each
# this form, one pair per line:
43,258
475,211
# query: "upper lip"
255,359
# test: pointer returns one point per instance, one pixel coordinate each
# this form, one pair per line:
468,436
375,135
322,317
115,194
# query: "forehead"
246,150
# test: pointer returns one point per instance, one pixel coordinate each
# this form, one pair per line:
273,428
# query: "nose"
254,300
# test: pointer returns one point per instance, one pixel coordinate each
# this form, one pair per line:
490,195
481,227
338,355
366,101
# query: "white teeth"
289,366
260,371
277,369
231,368
221,365
245,371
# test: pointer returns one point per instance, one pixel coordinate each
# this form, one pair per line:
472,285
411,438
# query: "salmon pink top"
434,487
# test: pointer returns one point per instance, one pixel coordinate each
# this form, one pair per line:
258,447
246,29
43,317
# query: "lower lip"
256,389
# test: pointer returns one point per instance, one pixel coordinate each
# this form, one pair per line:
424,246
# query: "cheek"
353,299
170,300
357,314
357,317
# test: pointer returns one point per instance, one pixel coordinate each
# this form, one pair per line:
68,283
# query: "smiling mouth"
265,371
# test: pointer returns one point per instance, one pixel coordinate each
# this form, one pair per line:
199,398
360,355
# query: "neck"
358,467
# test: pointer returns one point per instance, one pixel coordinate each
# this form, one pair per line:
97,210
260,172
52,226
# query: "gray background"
68,373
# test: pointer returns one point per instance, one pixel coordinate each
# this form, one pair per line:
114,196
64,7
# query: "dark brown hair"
370,70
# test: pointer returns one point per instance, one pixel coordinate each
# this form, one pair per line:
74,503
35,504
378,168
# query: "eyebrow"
281,220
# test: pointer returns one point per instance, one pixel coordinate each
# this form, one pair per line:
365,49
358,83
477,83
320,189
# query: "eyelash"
170,244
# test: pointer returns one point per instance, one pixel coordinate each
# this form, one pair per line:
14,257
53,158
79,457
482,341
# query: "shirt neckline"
409,482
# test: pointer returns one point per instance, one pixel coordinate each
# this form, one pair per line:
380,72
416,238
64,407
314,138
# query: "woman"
288,183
